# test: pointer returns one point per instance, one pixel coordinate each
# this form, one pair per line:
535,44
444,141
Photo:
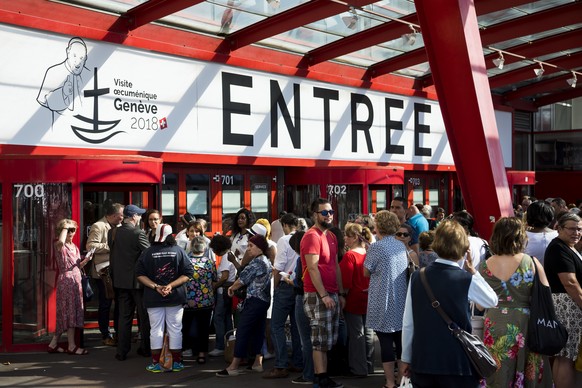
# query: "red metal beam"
298,16
450,30
154,10
546,20
526,25
400,62
390,31
527,72
370,37
559,97
545,86
540,47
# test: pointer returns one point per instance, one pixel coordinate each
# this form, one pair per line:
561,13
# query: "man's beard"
325,225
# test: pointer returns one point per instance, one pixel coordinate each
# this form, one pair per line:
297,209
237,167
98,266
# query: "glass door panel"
299,198
38,207
261,196
99,198
379,197
232,197
169,198
198,197
346,200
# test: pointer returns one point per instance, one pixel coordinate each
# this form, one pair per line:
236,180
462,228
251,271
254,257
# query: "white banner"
72,92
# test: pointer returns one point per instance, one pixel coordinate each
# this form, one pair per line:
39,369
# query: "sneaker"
276,373
154,368
301,380
177,366
268,356
329,383
187,353
227,373
216,353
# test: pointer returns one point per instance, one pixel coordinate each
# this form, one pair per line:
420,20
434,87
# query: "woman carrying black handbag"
510,272
432,356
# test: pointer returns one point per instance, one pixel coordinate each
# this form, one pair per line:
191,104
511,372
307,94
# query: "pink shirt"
315,242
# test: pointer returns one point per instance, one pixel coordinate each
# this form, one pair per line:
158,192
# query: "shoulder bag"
545,334
166,359
86,284
482,361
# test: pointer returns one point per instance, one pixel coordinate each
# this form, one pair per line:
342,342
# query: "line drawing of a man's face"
76,57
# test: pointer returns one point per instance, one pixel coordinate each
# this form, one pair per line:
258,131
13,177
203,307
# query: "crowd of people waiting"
330,290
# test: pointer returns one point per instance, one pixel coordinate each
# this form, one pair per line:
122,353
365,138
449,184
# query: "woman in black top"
563,265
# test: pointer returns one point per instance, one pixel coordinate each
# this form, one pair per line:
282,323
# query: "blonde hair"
267,225
508,237
450,241
61,225
356,230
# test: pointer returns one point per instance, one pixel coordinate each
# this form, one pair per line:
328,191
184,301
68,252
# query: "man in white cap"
126,243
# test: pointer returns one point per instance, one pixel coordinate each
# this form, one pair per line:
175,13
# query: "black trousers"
130,300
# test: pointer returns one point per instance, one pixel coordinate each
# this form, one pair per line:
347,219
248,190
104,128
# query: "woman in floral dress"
70,309
200,300
510,273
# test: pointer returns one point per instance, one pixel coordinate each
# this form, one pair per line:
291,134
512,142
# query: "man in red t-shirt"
321,283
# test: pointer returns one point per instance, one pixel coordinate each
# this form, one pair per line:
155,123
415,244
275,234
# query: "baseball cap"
132,210
162,231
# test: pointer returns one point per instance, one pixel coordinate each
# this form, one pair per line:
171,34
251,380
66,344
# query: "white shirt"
276,230
182,239
286,258
538,242
479,292
476,245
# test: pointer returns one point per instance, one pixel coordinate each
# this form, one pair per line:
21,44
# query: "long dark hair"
250,220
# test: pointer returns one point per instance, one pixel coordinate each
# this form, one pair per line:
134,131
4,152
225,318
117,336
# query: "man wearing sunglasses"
324,296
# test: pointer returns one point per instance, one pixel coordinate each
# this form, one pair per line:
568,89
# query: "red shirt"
353,279
315,242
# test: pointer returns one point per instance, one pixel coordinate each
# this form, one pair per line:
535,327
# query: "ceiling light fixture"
410,38
500,61
351,21
539,72
572,81
274,3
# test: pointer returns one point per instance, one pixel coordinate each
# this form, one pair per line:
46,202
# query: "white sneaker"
187,353
268,356
216,353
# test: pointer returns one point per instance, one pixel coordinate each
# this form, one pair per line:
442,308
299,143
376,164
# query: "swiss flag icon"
163,123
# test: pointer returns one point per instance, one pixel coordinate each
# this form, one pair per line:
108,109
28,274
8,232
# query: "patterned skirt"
570,315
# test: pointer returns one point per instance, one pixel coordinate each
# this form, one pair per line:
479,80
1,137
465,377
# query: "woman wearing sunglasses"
563,265
70,308
404,234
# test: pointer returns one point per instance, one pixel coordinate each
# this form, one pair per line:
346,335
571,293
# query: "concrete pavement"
101,369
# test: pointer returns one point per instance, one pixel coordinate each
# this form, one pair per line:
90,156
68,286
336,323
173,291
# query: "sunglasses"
326,213
402,234
71,230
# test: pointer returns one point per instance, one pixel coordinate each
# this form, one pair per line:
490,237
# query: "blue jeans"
222,318
250,332
284,306
305,334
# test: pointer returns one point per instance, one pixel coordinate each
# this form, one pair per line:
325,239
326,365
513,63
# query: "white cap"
258,229
162,231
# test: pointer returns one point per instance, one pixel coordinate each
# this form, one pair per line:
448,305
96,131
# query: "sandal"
56,349
78,351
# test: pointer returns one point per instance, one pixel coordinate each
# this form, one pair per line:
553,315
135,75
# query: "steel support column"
455,55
